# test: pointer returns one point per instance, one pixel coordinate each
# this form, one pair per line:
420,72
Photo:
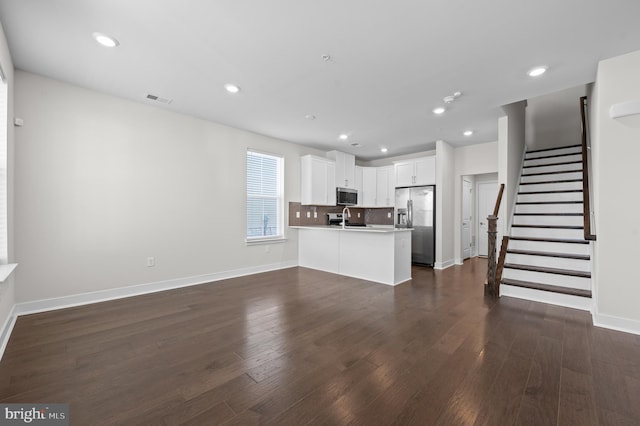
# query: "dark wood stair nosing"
550,254
558,172
546,287
552,156
551,181
553,164
554,149
551,240
548,214
559,191
545,270
550,202
548,226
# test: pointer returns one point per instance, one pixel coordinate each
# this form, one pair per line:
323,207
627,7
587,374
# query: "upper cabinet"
345,168
385,187
369,187
416,172
318,184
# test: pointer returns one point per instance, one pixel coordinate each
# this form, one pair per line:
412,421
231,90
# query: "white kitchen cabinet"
416,172
318,185
385,186
369,187
345,168
358,185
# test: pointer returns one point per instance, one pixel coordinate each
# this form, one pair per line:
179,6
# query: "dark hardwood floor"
298,346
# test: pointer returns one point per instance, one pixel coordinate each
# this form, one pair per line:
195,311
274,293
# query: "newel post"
492,285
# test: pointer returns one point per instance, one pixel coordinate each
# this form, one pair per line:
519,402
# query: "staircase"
547,257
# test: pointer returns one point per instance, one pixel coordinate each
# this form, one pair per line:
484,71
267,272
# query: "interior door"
487,194
467,198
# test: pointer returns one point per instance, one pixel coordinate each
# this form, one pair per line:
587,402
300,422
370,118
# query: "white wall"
445,201
102,183
511,146
7,289
615,154
470,160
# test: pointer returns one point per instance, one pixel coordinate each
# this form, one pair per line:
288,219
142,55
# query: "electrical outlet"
151,261
389,215
308,215
297,215
315,215
358,215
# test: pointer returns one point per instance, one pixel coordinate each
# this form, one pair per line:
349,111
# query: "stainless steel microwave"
346,196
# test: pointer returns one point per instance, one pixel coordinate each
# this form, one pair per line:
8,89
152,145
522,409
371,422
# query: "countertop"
368,228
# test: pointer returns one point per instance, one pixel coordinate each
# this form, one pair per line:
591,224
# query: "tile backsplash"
317,215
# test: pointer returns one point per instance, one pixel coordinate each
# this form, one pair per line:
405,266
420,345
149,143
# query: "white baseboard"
459,262
568,301
443,265
616,323
7,328
136,290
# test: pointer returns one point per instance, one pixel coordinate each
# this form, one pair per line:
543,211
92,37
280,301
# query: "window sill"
6,270
266,241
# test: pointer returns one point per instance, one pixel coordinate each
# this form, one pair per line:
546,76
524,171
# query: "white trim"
136,290
7,328
568,301
6,270
443,265
616,323
460,261
265,240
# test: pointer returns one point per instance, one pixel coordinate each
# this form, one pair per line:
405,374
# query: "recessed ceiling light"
231,88
310,117
468,132
537,71
105,40
343,137
439,110
383,150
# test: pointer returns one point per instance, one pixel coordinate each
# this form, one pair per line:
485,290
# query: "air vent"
158,99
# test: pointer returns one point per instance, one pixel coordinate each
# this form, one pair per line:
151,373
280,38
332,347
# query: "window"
4,98
265,198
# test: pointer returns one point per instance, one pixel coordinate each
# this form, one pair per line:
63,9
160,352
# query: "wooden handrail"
496,209
586,208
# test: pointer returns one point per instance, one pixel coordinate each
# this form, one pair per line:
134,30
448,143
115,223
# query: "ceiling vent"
158,99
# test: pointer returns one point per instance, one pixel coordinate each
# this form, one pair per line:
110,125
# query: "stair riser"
547,233
554,168
563,159
549,262
550,279
558,176
572,150
550,247
575,302
549,208
564,186
566,196
548,220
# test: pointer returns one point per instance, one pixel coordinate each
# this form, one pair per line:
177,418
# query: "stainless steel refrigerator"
415,208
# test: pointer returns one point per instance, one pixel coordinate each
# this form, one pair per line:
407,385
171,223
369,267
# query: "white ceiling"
391,62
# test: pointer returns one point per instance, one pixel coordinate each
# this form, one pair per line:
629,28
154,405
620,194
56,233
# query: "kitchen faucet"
344,218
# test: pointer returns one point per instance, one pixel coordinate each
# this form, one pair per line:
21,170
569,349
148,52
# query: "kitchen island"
376,253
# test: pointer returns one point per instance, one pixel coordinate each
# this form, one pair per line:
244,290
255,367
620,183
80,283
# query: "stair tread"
546,287
554,164
554,149
548,226
548,214
551,181
549,202
559,172
550,254
551,240
547,270
553,156
559,191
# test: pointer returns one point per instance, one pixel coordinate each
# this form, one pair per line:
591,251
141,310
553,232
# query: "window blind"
264,196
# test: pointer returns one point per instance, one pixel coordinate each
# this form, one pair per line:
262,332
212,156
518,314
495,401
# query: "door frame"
477,210
470,197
